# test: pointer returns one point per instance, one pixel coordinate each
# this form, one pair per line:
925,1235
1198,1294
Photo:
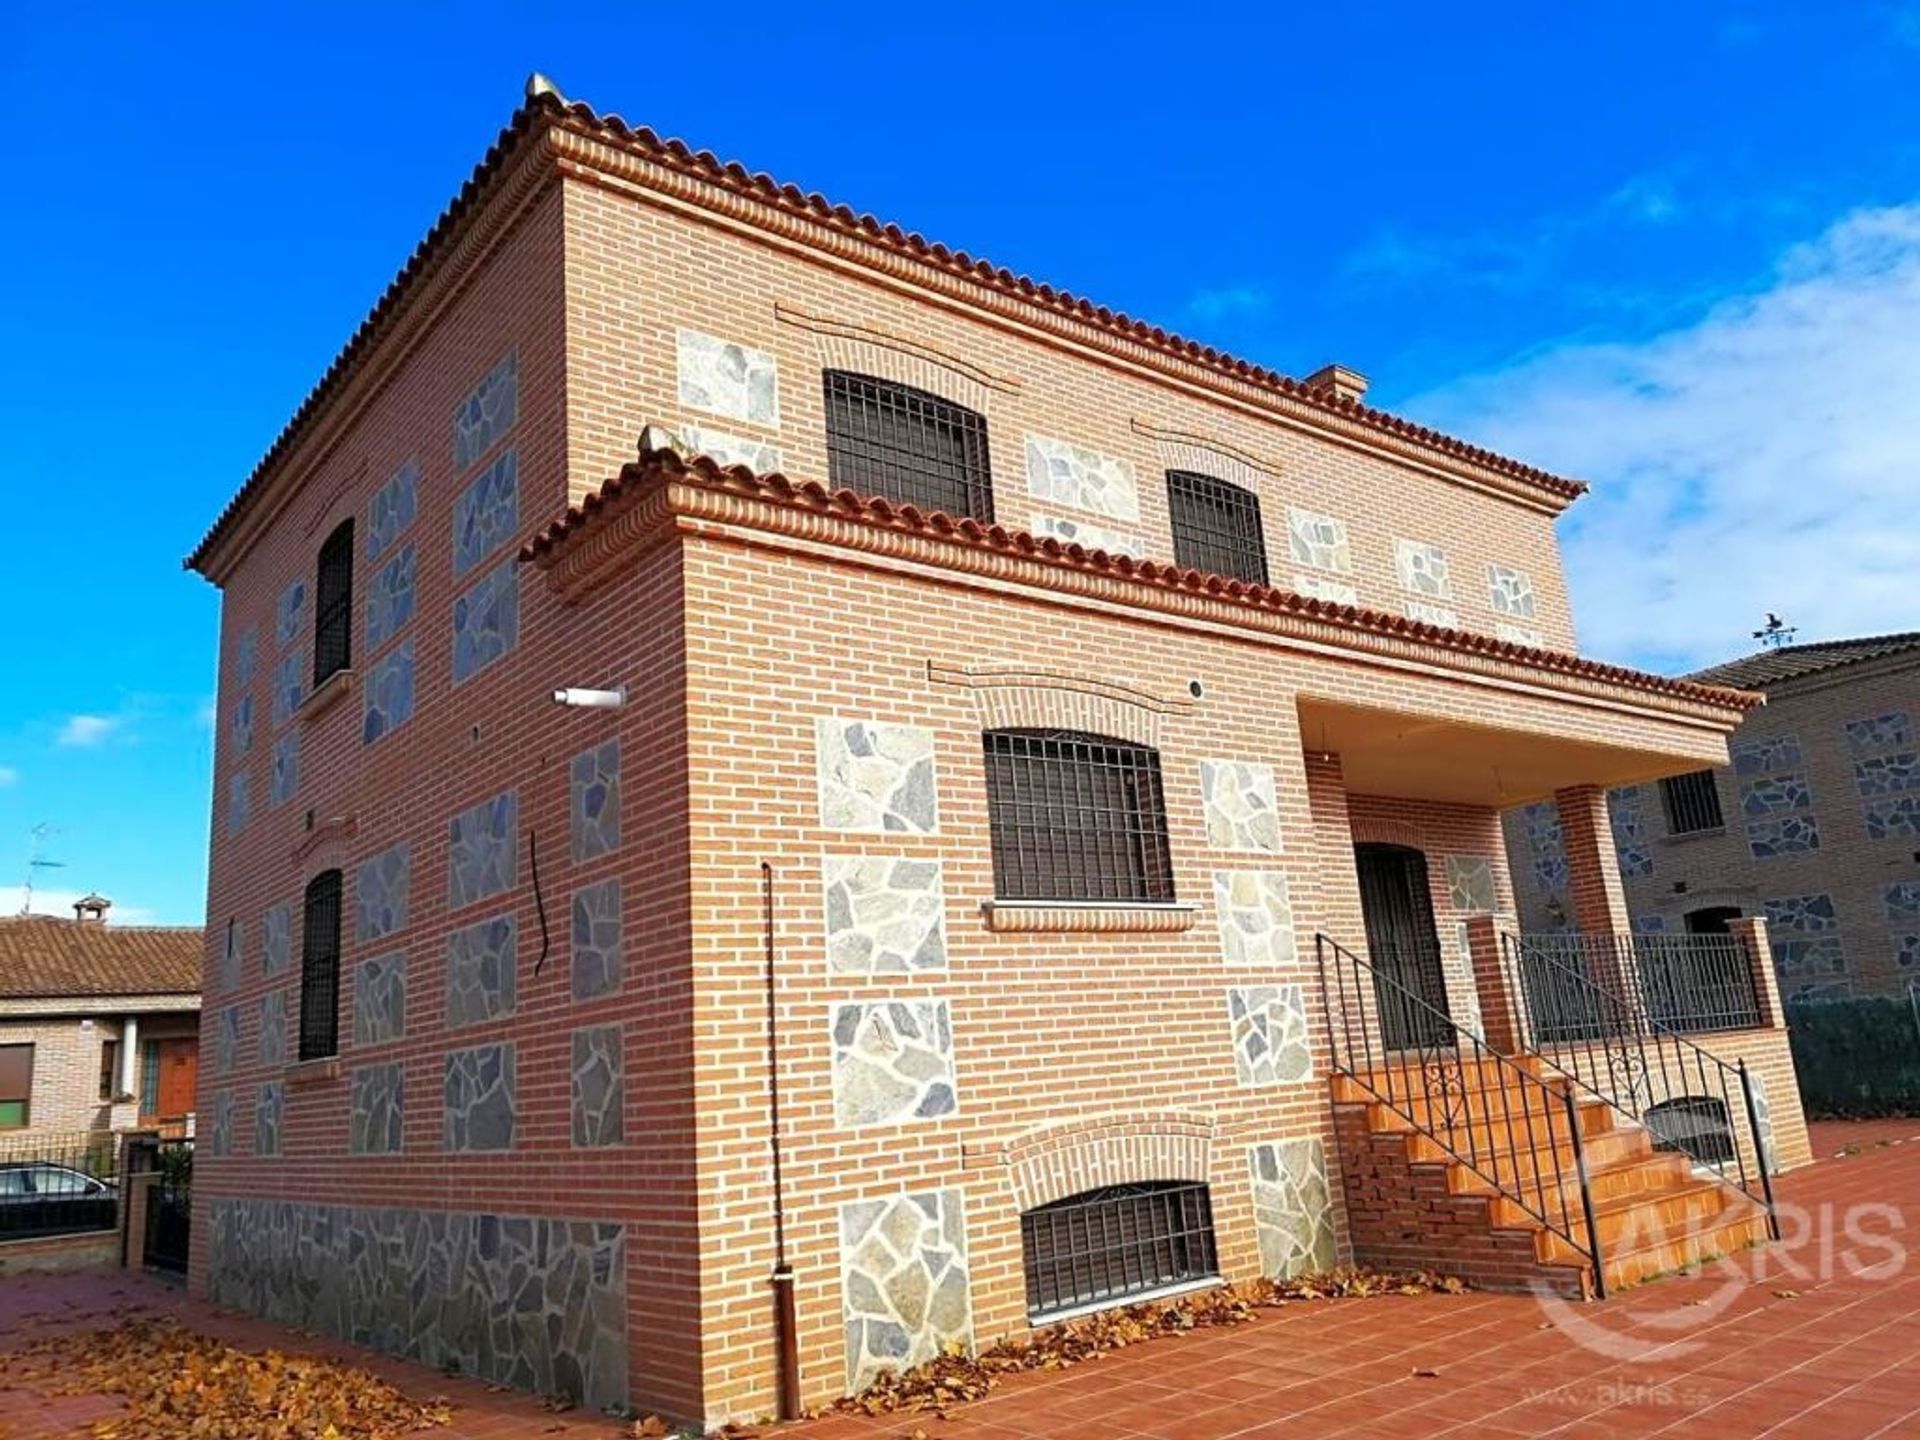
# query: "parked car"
38,1197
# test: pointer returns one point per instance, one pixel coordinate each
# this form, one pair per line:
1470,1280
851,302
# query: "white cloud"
60,902
1764,457
85,730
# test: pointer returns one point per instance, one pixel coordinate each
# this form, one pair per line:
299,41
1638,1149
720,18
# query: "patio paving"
1818,1337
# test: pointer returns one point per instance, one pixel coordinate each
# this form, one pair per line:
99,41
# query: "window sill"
332,691
312,1072
1084,915
1714,834
1039,1319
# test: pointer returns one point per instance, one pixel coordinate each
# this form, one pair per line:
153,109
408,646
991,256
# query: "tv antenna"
36,862
1775,633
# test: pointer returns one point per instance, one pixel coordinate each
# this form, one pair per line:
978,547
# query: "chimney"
92,909
1336,382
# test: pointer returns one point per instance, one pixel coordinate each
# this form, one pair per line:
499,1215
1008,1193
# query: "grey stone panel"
387,701
268,1110
1269,1030
390,599
277,923
381,886
486,620
1292,1207
596,949
1788,835
290,611
284,777
875,776
1765,754
482,966
1892,731
904,1282
487,412
289,685
239,803
242,725
273,1029
1809,914
377,1097
1470,883
593,802
380,999
392,508
1890,819
892,1061
483,850
597,1087
1810,959
884,914
486,515
226,1039
219,1121
1902,900
479,1094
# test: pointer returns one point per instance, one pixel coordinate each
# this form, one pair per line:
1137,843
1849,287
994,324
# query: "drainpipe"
786,1345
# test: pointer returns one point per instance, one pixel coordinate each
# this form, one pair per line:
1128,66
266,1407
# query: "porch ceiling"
1386,752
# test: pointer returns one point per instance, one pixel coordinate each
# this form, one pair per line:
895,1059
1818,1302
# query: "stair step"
1604,1147
1741,1226
1530,1118
1637,1222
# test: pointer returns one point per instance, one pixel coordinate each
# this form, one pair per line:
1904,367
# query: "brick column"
1751,932
1593,869
1499,1006
1334,895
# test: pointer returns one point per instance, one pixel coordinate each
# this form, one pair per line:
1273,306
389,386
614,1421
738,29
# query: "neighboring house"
1815,825
99,1024
1009,724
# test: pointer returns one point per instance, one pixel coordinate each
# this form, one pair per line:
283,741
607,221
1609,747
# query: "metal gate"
169,1207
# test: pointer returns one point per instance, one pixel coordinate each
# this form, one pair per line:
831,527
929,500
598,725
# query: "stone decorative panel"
1902,901
219,1122
1888,819
725,378
239,803
885,914
724,449
1319,541
486,620
1520,635
273,1029
289,685
596,1088
376,1099
1269,1024
390,599
486,515
1810,959
380,891
482,966
535,1303
1292,1207
593,802
1631,842
277,923
1427,613
1815,994
1890,774
1241,811
1906,951
246,656
903,1268
1808,914
1470,884
892,1061
1764,754
226,1039
380,999
290,611
1082,532
231,946
596,956
1791,834
1063,473
268,1107
1774,795
488,412
1255,915
392,508
875,777
480,1098
483,850
1422,568
1319,587
1892,731
241,728
1649,924
284,778
1511,591
387,702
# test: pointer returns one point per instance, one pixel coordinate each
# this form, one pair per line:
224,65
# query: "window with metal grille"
16,1086
1696,1124
1108,1245
333,605
1692,803
1076,817
907,445
1216,526
320,968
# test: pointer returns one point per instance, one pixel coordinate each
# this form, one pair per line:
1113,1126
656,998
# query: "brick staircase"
1475,1173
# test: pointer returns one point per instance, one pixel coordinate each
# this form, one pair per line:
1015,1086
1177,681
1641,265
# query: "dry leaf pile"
180,1385
956,1377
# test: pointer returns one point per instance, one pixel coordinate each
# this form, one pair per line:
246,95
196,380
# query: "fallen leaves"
181,1385
954,1377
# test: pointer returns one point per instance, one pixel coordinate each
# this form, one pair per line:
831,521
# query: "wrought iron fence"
1689,983
59,1184
1486,1110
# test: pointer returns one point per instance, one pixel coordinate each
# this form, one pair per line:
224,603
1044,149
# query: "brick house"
989,722
1815,823
99,1025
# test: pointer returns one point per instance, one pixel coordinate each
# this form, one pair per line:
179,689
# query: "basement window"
907,445
1076,817
1692,803
1113,1245
1695,1124
1216,527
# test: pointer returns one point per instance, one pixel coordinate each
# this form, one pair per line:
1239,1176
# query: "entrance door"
174,1072
1404,946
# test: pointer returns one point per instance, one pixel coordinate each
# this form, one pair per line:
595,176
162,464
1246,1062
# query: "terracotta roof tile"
1766,668
548,109
618,492
43,956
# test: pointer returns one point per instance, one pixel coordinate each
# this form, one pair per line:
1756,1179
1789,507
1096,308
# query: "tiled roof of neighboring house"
545,107
1793,662
45,957
614,496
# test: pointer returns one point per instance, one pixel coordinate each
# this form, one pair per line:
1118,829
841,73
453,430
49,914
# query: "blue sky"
1674,249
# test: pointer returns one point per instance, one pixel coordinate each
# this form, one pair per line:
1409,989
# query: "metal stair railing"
1618,1050
1483,1108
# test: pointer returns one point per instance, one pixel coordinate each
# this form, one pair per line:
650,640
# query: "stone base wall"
534,1303
95,1250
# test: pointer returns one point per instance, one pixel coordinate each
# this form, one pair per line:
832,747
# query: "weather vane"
1775,633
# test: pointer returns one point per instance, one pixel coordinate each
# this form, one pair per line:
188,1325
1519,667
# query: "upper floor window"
907,445
16,1086
1216,527
333,605
1692,803
320,968
1076,817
